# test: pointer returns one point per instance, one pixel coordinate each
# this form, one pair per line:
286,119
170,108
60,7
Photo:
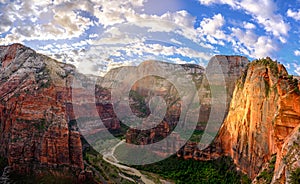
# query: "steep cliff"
264,110
221,75
35,112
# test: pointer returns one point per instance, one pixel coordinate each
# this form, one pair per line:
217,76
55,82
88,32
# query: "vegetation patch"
267,88
40,125
190,171
295,176
45,84
267,174
57,176
196,136
268,62
293,82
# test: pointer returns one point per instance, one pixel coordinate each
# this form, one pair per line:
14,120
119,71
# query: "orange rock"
263,112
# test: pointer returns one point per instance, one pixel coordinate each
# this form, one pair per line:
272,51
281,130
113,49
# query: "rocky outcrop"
263,112
35,110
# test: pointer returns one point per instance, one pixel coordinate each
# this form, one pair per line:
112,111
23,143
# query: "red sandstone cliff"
35,97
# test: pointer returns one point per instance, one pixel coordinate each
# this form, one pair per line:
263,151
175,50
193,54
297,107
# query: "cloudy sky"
96,35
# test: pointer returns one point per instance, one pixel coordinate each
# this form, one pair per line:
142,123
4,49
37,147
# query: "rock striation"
263,112
35,111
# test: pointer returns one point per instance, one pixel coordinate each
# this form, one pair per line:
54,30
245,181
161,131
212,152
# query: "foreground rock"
35,110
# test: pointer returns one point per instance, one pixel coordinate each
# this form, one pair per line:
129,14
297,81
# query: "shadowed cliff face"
35,98
264,110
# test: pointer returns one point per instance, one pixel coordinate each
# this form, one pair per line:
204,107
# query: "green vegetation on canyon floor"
190,171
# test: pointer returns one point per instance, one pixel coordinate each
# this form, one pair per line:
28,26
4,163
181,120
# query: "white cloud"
252,45
114,11
175,41
297,52
263,11
181,18
177,60
211,29
5,23
287,65
124,32
295,15
213,26
180,21
44,20
113,35
248,25
209,2
297,68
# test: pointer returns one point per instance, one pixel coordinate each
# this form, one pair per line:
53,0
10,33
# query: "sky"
97,35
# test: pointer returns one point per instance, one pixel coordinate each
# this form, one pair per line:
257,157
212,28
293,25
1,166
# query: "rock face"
222,72
143,90
264,110
35,112
288,158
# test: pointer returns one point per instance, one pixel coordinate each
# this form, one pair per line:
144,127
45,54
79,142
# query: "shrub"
295,176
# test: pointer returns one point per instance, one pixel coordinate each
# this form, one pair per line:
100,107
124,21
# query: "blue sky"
97,35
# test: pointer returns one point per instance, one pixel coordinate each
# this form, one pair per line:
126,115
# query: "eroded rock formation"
35,110
264,110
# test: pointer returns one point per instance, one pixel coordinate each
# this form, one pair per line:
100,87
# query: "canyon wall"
264,110
35,111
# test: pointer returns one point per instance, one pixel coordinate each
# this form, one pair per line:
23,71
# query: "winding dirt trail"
110,158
